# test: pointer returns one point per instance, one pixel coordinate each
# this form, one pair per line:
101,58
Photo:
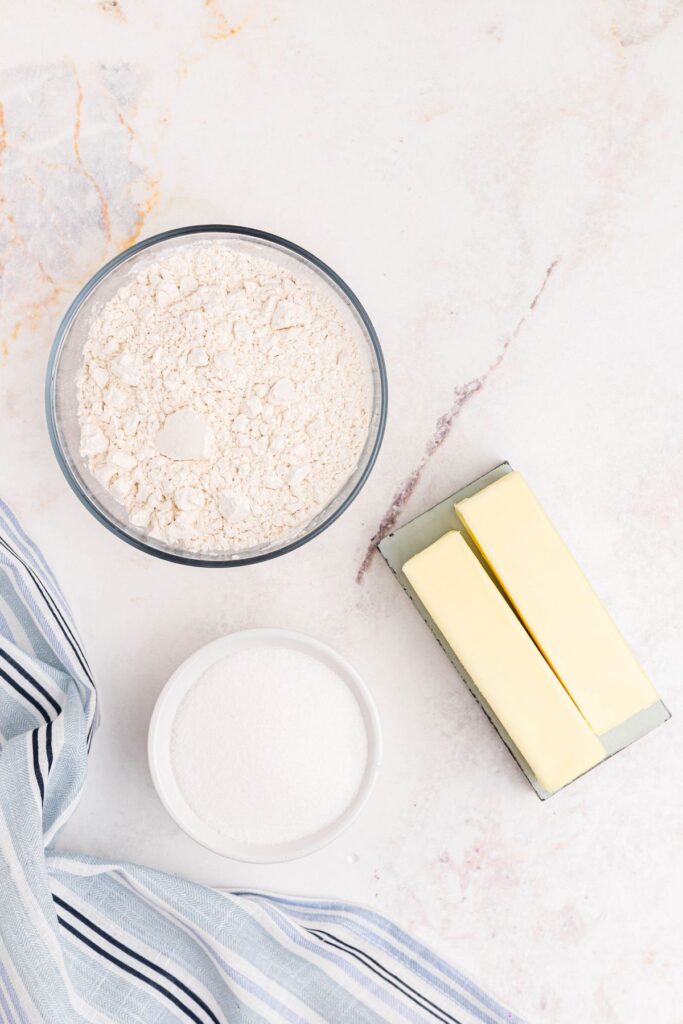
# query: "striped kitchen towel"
83,939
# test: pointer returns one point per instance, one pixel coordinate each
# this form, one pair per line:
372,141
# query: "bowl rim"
73,309
187,674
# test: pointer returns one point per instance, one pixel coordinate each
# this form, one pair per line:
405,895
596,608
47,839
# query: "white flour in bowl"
223,398
269,746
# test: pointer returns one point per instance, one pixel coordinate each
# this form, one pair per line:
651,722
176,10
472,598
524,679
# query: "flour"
223,398
269,746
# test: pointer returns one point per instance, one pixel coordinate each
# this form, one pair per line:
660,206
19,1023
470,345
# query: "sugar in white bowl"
269,746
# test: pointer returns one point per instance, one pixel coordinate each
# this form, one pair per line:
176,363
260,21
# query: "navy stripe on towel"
25,694
386,975
36,764
54,611
30,679
136,956
129,970
48,744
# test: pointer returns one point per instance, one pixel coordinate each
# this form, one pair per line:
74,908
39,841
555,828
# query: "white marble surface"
454,162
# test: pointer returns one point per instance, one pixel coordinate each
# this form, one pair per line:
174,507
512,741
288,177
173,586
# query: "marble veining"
72,192
462,394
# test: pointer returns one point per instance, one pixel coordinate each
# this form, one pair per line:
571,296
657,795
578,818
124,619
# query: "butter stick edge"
459,569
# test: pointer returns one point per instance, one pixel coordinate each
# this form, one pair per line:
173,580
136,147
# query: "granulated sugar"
269,746
224,399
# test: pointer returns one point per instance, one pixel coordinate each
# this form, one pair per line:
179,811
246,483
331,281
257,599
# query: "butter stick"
492,645
556,602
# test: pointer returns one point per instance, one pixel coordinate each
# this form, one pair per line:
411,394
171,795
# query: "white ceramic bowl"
161,726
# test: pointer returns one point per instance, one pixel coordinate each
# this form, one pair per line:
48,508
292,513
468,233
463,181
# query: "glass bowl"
64,365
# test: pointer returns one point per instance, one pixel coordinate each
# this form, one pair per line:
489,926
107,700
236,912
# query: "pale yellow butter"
492,645
556,602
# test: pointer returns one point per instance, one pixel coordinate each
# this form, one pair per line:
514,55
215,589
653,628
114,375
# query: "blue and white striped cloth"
83,939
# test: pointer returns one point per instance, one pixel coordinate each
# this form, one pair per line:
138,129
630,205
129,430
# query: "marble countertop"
501,184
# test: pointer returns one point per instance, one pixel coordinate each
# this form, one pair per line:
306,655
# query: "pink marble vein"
462,394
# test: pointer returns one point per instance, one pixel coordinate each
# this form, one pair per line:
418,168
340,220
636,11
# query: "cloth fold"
82,939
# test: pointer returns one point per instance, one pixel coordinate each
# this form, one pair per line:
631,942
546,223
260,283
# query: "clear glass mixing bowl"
64,366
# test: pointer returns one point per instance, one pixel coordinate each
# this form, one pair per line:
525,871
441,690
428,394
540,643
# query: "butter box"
425,530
